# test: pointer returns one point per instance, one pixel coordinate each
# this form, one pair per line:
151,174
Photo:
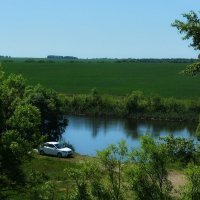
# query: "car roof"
52,143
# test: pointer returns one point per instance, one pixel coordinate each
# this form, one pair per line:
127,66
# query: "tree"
148,173
11,93
191,29
112,160
18,125
26,120
53,120
180,149
102,179
25,113
193,69
16,143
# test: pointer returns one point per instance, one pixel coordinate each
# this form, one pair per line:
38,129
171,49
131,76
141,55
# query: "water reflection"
136,128
91,134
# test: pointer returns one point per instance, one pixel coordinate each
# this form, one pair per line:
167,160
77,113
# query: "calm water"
91,134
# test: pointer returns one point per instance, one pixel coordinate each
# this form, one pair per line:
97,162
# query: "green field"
110,78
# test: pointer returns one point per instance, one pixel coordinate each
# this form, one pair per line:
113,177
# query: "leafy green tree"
180,149
79,177
11,93
139,182
50,105
191,29
148,174
112,160
192,69
16,145
102,179
39,187
17,83
13,152
21,122
95,175
134,103
26,120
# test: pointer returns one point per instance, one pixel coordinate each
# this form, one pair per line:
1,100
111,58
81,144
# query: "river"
88,134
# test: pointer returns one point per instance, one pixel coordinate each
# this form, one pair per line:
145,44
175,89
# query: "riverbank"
134,106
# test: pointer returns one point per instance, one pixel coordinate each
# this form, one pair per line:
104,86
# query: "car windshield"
59,146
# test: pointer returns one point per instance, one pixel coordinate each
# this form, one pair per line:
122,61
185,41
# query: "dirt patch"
178,180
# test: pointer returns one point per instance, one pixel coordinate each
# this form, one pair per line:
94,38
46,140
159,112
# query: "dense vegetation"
117,173
135,105
109,78
31,114
28,116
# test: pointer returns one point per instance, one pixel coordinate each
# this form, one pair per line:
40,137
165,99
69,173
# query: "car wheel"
41,152
59,155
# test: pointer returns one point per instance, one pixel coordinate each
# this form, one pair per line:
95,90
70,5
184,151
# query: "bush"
180,149
192,189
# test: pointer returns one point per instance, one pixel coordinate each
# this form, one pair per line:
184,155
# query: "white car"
55,149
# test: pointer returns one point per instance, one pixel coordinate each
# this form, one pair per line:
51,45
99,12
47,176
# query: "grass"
54,167
110,78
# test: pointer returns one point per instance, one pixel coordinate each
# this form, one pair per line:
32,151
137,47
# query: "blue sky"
94,28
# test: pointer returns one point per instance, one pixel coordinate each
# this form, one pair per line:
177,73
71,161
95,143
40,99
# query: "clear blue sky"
94,28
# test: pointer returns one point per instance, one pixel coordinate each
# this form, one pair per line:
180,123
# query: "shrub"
192,189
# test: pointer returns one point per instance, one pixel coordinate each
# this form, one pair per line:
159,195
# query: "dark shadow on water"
134,128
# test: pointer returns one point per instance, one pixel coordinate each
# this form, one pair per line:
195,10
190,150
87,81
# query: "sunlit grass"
110,78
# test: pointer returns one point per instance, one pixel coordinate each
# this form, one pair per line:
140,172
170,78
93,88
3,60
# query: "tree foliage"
191,30
148,176
26,113
50,105
192,69
119,174
180,149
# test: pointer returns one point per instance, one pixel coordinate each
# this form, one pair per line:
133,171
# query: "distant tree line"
155,60
61,57
53,59
4,57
